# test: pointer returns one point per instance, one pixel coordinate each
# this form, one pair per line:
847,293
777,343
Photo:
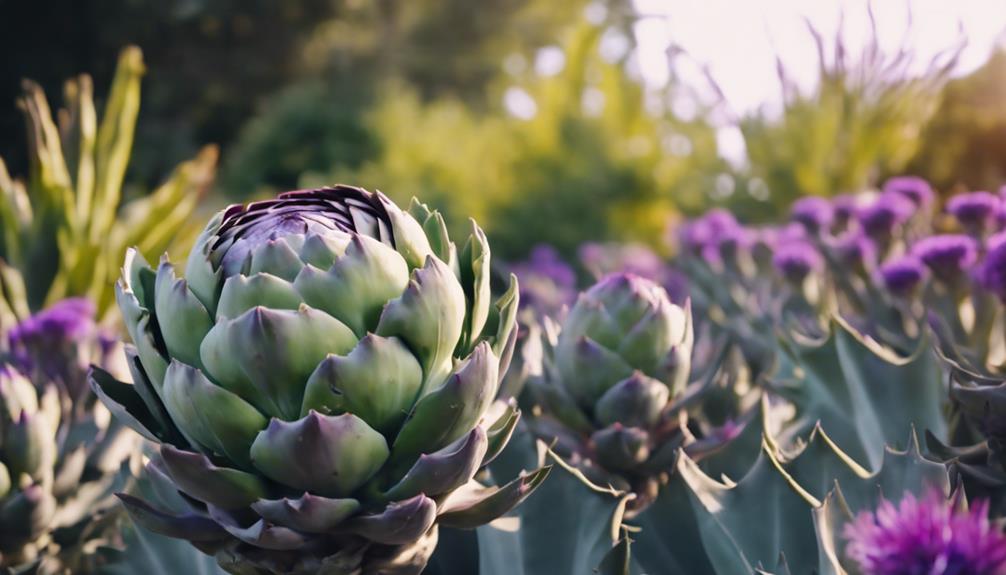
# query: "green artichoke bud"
609,389
320,383
60,451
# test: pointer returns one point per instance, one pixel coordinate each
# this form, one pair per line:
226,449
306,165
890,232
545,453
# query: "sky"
737,41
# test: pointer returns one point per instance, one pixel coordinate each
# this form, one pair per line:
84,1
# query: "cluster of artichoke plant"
611,386
62,456
899,268
818,346
324,387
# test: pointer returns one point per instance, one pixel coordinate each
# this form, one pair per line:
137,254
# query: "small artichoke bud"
623,323
636,401
30,446
621,448
17,395
622,354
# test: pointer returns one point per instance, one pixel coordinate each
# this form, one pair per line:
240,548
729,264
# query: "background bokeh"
552,121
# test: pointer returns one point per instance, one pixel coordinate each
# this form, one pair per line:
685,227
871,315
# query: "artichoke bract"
608,389
322,384
61,454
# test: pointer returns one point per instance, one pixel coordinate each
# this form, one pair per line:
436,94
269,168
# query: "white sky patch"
739,39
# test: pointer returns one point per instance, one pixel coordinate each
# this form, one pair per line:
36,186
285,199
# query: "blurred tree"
437,48
211,63
965,142
563,156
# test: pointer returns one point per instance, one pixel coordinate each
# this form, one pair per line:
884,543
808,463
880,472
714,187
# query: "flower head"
947,255
926,536
886,213
813,212
65,320
974,210
843,206
992,273
914,188
57,342
901,276
701,233
547,282
734,241
856,251
795,261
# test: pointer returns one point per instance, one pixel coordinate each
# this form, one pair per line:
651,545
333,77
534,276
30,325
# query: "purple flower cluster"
885,214
856,251
796,260
915,189
926,536
948,256
975,210
859,231
701,235
902,275
59,343
547,282
814,213
992,272
844,208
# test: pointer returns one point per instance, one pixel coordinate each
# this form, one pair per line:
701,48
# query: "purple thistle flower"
814,213
974,210
64,322
546,281
57,342
901,276
992,272
67,319
914,188
844,207
947,255
926,536
699,234
719,219
887,212
856,251
734,241
602,259
796,260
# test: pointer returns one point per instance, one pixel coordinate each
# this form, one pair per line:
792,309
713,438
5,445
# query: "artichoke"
321,384
60,451
610,385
